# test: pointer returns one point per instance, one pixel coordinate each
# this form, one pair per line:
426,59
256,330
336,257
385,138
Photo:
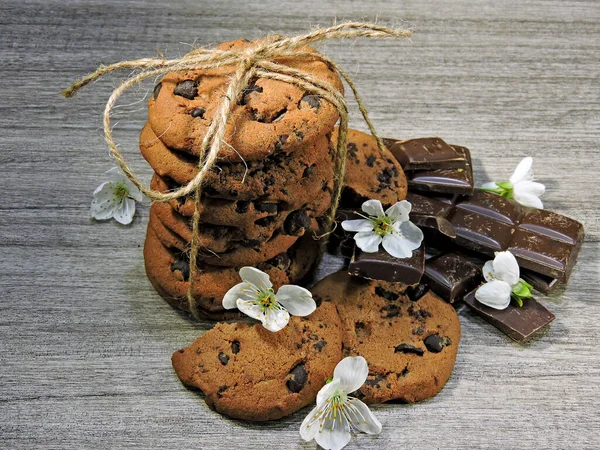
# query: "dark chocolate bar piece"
457,180
451,276
517,323
425,154
544,242
541,283
383,266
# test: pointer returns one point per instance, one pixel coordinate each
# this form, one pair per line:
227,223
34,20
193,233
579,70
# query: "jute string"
257,61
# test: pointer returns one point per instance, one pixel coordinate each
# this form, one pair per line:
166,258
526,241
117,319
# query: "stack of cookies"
262,200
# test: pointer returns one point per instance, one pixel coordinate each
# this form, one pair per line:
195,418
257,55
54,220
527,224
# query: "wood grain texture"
85,341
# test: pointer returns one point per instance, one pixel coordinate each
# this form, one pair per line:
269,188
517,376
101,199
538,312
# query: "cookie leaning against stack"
263,198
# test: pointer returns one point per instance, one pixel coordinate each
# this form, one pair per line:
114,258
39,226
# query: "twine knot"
258,60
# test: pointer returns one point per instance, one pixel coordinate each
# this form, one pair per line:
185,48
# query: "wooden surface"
85,341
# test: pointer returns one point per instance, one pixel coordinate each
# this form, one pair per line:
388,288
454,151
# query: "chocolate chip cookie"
168,271
288,179
247,372
370,173
408,336
269,116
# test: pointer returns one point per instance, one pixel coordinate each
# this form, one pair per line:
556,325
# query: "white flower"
520,187
115,198
255,297
391,228
337,415
503,282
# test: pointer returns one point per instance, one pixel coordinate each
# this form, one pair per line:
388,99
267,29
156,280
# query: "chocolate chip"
265,221
390,311
252,87
235,347
313,101
409,349
374,380
281,140
435,343
313,337
388,295
223,358
198,112
352,150
362,330
298,378
187,89
299,134
181,350
156,91
221,390
419,314
416,292
296,222
319,345
183,266
281,261
308,171
386,175
418,331
242,206
371,160
270,208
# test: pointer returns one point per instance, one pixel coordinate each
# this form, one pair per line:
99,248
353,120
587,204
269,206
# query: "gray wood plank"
86,342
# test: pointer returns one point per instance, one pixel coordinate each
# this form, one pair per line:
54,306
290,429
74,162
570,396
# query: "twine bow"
254,62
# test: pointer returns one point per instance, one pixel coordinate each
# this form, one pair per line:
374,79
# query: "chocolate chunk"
281,140
308,171
314,101
409,349
374,380
382,266
270,208
296,222
352,150
435,343
390,311
539,282
425,154
388,295
265,221
299,134
518,323
297,378
235,347
362,330
187,89
319,345
223,358
281,261
544,242
439,224
418,314
221,390
371,160
198,112
416,292
183,266
242,206
156,90
451,276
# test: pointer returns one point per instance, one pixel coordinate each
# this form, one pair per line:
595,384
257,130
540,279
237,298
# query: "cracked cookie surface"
408,336
247,372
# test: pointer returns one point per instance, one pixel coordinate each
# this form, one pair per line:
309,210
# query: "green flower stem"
521,291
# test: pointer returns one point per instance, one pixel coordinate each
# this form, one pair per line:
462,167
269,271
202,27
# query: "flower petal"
357,225
134,192
250,308
257,277
367,241
297,300
489,185
523,171
399,211
310,427
125,211
495,294
243,290
412,234
275,320
488,271
105,204
373,208
335,434
529,187
115,174
397,246
506,267
327,391
528,200
365,420
351,372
